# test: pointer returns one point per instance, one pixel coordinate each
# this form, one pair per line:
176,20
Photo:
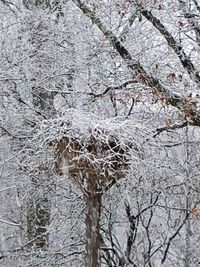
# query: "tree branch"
111,88
172,237
132,228
170,127
191,19
9,4
178,49
196,4
9,223
135,67
128,25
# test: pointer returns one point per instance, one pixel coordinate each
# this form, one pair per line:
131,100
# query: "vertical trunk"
92,221
38,213
188,235
38,217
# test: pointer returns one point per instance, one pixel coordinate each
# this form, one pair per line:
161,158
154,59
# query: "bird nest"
95,153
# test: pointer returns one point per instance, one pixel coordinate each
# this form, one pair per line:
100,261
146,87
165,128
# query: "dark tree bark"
38,218
92,222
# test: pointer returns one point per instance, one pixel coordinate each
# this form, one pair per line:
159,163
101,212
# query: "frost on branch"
92,151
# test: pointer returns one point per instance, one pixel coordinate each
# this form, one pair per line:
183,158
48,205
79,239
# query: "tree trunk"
92,221
38,217
39,206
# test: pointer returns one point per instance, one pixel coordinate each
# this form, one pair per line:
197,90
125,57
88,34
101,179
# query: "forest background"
99,133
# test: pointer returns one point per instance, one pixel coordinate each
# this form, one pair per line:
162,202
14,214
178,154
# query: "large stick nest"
91,149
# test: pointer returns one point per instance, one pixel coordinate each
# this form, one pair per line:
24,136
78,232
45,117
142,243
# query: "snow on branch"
137,69
178,49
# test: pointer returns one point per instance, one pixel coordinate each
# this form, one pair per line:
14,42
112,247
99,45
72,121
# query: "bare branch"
131,108
112,88
173,236
10,5
171,127
196,4
9,223
128,25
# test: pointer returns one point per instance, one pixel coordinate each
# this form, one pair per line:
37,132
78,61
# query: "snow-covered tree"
99,141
